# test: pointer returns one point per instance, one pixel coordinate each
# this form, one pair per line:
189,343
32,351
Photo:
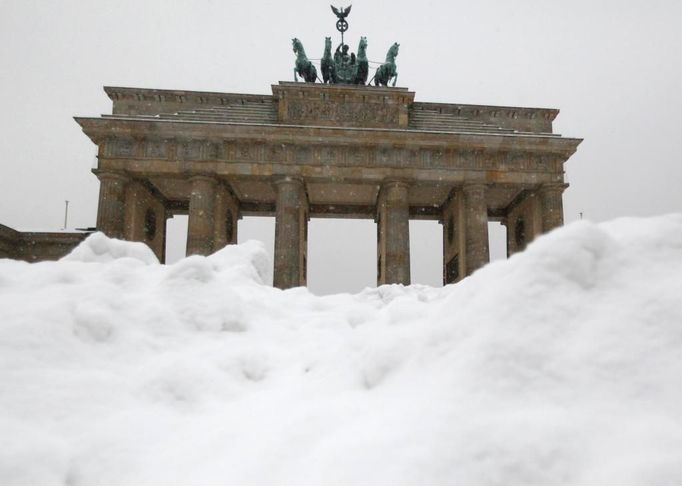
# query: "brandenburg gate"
314,150
329,147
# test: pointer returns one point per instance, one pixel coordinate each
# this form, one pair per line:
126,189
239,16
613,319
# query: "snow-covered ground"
559,366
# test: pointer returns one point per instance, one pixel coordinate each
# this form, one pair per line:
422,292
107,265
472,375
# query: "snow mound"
559,366
98,248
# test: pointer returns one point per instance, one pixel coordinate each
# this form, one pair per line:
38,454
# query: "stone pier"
201,221
393,230
291,234
476,251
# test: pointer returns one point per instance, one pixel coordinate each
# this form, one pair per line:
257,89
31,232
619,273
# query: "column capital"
394,183
289,180
203,177
553,187
474,186
293,182
394,189
113,176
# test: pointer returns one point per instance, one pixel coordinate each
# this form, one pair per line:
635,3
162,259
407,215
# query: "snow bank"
98,248
559,366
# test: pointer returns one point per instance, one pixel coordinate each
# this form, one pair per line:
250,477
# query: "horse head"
327,45
296,44
362,49
392,52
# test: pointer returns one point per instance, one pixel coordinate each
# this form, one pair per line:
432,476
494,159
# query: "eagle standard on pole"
341,24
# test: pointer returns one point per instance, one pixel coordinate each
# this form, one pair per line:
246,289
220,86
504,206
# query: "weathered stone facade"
313,150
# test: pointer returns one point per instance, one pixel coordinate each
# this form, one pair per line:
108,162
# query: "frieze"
156,149
245,152
302,154
213,151
383,155
276,153
358,156
189,150
330,155
120,148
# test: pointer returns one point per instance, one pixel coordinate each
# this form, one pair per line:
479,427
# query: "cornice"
99,129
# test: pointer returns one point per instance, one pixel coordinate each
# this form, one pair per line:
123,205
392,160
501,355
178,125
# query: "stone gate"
316,151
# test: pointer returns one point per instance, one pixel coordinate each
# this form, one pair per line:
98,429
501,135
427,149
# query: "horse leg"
295,77
395,78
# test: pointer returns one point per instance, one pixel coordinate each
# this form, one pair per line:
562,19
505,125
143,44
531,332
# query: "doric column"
552,206
393,220
226,217
112,202
476,227
291,232
452,219
200,227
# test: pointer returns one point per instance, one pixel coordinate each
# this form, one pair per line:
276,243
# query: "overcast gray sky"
614,68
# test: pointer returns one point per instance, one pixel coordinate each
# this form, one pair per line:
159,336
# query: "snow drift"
559,366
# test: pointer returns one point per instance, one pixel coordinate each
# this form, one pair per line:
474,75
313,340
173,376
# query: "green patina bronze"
303,66
362,70
342,23
349,68
344,67
388,69
327,63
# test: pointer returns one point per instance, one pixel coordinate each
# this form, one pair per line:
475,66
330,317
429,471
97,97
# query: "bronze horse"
388,69
303,66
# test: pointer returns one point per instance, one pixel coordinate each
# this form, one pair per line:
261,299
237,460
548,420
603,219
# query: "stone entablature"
313,150
456,156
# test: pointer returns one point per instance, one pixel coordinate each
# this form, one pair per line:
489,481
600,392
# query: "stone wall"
532,120
139,101
9,242
37,246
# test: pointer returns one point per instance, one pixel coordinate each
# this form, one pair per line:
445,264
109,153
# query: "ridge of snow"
558,366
